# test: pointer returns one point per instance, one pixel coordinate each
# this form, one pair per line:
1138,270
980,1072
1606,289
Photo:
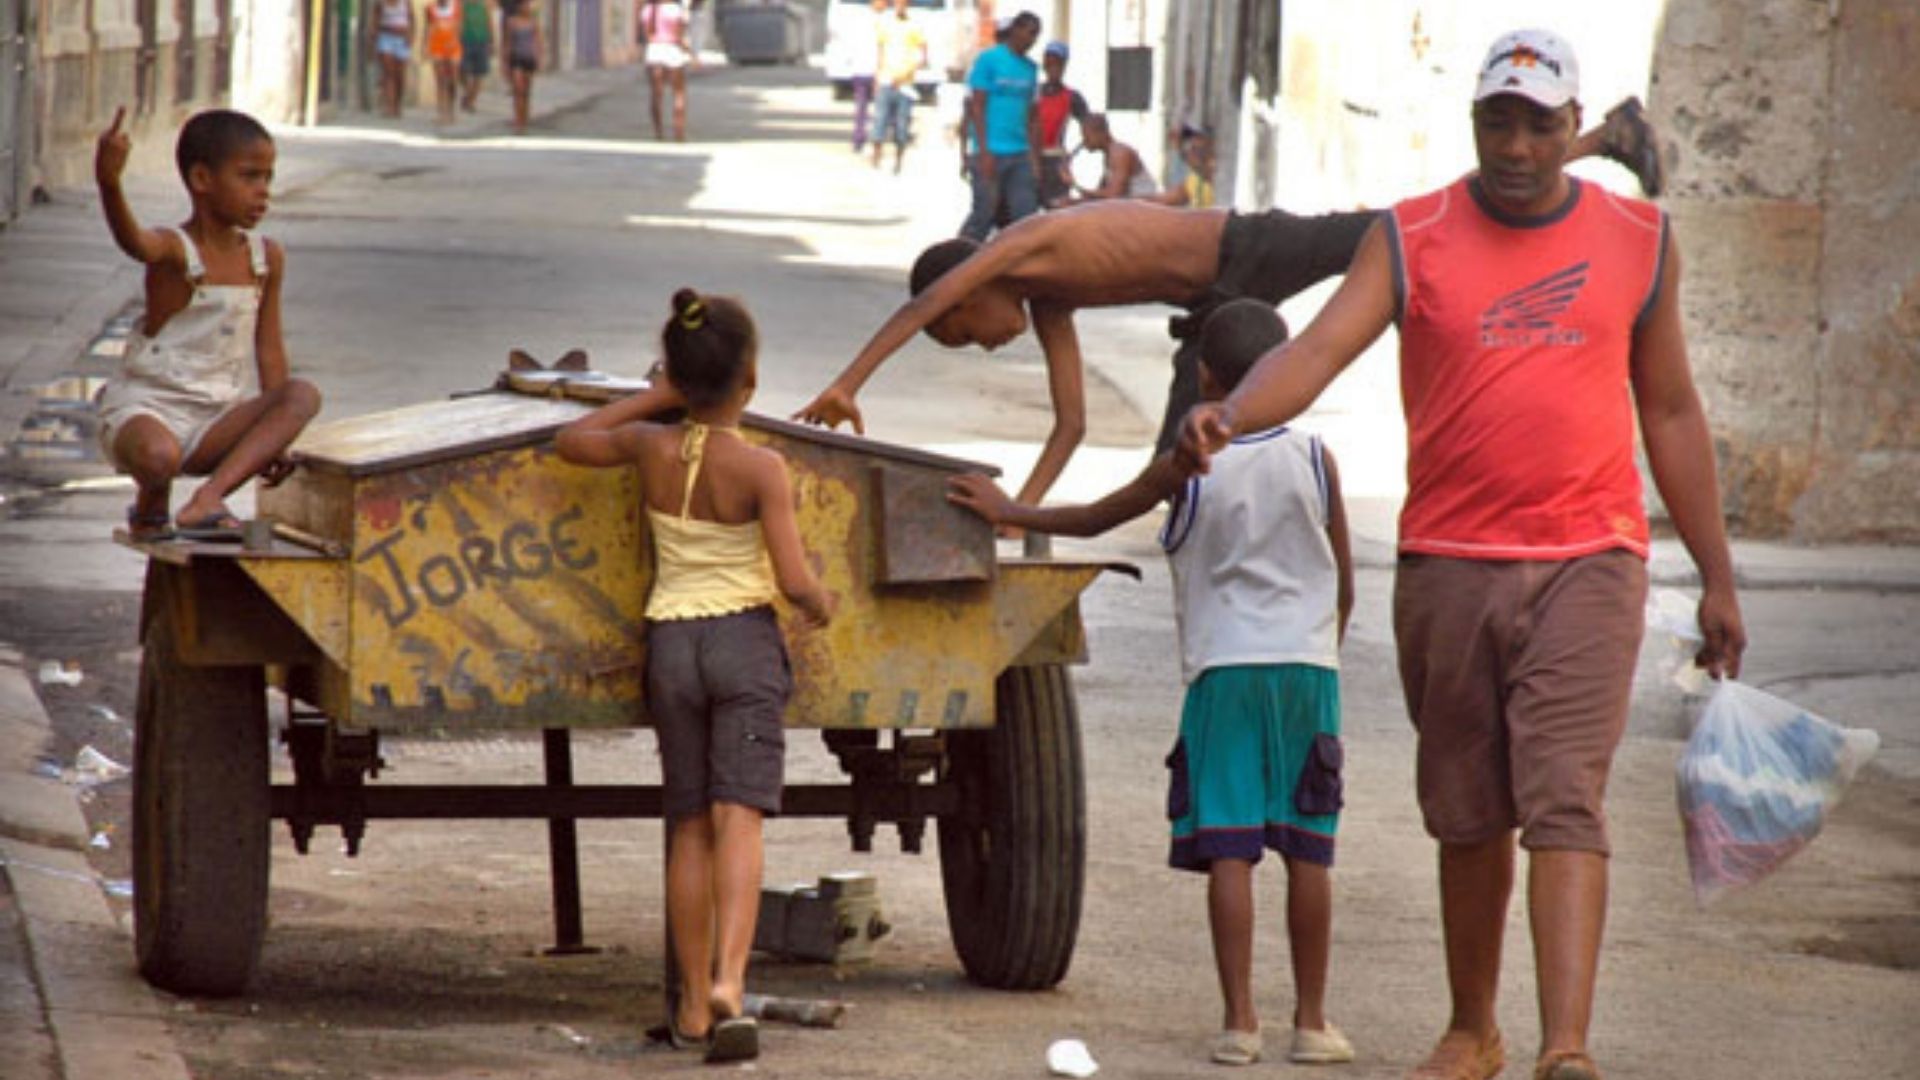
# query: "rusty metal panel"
923,537
491,585
313,593
502,588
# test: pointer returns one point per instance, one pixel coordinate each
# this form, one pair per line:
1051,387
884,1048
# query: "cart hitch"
330,768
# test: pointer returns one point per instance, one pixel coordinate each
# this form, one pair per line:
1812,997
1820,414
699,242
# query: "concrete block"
41,811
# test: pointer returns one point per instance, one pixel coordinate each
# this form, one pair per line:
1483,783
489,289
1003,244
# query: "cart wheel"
201,818
1013,861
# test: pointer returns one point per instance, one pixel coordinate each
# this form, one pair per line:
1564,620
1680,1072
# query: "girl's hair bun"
684,298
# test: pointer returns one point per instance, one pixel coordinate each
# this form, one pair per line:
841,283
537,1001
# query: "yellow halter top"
705,568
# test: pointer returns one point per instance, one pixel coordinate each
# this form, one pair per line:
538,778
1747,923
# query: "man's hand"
831,408
1207,429
277,471
1724,632
983,165
980,495
110,156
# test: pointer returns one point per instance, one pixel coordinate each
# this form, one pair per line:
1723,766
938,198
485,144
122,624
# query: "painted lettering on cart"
523,551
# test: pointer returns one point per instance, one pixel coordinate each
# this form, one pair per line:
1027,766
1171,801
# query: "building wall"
1797,128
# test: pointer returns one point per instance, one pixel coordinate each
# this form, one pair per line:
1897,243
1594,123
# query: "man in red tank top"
1539,318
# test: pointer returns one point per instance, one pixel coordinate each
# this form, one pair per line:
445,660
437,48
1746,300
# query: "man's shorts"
1257,766
716,690
1518,677
476,58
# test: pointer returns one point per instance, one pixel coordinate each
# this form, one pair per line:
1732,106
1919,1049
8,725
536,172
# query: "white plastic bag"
1757,780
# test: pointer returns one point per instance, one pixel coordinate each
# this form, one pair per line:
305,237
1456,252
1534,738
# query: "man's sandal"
1566,1065
1458,1057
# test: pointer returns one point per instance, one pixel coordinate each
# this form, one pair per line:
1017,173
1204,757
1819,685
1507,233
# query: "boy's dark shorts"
716,690
1270,256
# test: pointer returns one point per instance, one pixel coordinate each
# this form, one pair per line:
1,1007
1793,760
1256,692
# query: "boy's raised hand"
110,156
980,495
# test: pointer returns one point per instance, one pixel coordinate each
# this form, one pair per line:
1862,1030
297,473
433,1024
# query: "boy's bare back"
1116,252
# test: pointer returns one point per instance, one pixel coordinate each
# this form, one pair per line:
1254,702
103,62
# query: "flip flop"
733,1039
149,528
1453,1059
1630,140
219,527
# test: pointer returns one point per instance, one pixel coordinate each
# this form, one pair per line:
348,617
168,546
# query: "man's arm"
1008,249
1680,456
143,245
1289,378
977,120
1066,386
1337,536
610,435
1156,483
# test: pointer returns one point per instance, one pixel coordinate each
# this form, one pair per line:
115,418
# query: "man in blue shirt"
999,125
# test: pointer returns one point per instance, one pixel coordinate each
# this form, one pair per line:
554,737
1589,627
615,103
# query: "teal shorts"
1257,766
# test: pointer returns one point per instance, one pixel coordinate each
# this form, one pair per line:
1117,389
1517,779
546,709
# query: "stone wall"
1796,197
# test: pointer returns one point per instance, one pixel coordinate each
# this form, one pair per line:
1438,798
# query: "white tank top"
1254,579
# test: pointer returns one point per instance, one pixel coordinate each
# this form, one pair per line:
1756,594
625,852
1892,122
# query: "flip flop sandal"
1631,143
735,1039
219,527
1478,1063
149,528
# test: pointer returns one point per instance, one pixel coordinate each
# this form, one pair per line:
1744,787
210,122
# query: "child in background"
476,50
521,45
726,545
1262,584
180,404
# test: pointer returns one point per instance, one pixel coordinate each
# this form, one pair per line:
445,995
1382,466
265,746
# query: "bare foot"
726,1001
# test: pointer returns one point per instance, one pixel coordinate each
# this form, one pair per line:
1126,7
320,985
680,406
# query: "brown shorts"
1518,677
716,690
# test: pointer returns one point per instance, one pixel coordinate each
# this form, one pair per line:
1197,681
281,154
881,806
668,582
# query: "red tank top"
1515,338
1053,111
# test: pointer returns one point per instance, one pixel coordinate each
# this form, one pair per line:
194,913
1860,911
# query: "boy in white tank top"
1262,583
185,402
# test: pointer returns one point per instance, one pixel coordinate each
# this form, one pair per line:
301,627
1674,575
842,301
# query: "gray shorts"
716,690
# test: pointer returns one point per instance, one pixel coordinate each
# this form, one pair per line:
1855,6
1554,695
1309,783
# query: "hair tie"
693,316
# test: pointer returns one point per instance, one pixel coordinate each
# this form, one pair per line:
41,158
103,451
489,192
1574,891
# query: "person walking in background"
663,29
521,44
392,37
902,53
476,49
862,45
999,129
1539,321
443,48
1057,104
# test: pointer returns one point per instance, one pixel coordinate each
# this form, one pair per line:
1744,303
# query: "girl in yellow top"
726,545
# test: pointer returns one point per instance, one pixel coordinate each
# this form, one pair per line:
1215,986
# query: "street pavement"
1833,627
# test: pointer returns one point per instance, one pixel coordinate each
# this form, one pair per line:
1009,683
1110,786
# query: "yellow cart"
438,569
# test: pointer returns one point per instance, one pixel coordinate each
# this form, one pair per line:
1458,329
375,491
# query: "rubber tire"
1013,862
201,821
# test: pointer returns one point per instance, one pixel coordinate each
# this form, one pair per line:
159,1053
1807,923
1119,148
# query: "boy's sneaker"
1325,1047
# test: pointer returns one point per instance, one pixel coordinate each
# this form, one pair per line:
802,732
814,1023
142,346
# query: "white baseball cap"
1536,64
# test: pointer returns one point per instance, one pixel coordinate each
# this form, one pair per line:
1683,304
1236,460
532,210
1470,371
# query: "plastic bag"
1757,781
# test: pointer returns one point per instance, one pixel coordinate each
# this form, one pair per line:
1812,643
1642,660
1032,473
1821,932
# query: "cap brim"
1546,97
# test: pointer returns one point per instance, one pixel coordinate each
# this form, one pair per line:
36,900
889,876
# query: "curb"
104,1020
